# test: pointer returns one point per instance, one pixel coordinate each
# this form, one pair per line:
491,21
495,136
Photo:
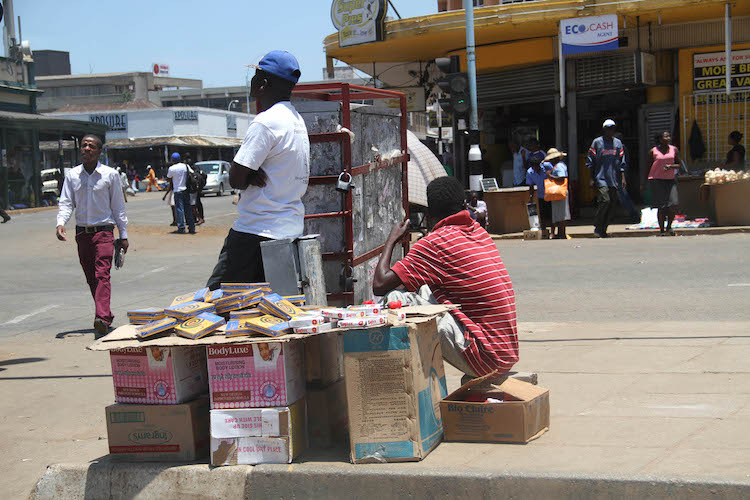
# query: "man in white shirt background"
95,192
271,169
177,174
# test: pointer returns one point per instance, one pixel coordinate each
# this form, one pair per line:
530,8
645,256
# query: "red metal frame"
345,93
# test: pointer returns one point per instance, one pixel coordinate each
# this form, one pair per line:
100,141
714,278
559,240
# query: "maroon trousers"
95,251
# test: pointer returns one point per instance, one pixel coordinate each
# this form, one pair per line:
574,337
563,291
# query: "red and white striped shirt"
460,263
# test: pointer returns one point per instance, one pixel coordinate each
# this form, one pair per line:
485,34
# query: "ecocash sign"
589,34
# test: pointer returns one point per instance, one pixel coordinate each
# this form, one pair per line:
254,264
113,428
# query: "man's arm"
65,207
245,170
385,279
623,166
240,177
117,205
591,162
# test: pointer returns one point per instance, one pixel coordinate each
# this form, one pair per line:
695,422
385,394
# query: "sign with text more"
709,71
589,34
359,21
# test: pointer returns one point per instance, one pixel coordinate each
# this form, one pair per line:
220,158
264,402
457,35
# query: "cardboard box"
257,435
324,358
266,374
522,415
327,421
176,433
158,375
394,383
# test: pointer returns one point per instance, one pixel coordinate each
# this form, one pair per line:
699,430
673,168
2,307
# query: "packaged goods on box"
297,300
512,412
369,309
156,327
315,329
255,375
214,296
158,375
394,383
196,296
380,319
275,305
268,325
340,313
146,315
253,312
324,358
189,309
257,435
175,433
199,326
237,328
306,320
327,423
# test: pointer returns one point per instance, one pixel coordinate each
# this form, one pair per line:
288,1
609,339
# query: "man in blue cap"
177,174
271,169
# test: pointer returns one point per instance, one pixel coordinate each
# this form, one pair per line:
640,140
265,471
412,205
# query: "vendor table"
506,210
731,203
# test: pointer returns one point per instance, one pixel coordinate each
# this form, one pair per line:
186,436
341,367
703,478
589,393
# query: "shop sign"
415,100
160,69
186,116
709,71
117,122
589,34
359,21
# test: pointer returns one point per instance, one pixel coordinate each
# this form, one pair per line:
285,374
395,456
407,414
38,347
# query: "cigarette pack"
199,326
214,296
252,312
366,321
152,313
324,327
306,320
243,287
268,325
236,298
297,300
158,326
275,305
237,328
398,314
197,296
338,313
370,310
246,303
189,309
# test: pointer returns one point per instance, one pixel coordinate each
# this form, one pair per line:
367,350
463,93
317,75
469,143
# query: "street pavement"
643,343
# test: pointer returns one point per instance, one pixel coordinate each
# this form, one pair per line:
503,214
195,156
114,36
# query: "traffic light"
455,87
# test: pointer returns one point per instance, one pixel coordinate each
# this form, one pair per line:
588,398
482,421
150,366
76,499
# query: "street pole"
475,153
728,47
247,89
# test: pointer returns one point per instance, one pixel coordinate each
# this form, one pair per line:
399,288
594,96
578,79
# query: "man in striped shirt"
456,263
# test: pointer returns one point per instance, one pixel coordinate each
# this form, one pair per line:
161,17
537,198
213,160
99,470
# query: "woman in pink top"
665,160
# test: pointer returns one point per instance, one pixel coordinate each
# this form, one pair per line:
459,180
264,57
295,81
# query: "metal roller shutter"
517,86
605,72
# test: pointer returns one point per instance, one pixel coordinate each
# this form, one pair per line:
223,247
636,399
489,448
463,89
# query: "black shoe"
192,232
180,231
597,235
5,219
173,224
101,328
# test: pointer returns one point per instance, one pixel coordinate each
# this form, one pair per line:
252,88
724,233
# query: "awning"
199,141
424,167
50,124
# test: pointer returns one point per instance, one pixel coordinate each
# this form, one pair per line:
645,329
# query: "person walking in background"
665,162
124,183
130,171
151,178
736,156
195,196
271,169
177,174
169,194
535,150
557,170
519,162
477,209
625,200
535,176
606,163
199,201
95,192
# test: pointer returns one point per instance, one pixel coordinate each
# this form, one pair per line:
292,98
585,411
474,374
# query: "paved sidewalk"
666,400
619,231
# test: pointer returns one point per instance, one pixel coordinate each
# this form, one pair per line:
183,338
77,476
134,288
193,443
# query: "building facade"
664,74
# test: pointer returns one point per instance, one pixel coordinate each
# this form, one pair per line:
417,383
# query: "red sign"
161,69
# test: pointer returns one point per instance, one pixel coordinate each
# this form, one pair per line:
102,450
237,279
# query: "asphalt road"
699,278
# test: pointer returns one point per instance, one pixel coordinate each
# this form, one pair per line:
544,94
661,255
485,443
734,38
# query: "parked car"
50,181
218,176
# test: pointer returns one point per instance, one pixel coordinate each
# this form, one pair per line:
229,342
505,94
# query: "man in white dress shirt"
95,192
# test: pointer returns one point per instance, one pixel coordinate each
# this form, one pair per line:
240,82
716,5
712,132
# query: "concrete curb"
146,481
642,233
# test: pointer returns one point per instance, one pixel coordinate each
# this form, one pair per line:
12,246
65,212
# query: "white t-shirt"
178,174
276,141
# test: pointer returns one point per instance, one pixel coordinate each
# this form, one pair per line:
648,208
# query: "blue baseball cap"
280,63
175,156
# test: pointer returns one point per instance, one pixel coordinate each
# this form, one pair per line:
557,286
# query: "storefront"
639,83
145,137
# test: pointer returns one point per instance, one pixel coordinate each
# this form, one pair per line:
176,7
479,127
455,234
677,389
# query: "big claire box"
158,375
251,436
394,383
264,374
522,415
175,433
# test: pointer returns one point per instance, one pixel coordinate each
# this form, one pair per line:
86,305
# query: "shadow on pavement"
75,333
19,361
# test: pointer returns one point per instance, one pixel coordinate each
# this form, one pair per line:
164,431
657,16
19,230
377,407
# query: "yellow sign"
359,21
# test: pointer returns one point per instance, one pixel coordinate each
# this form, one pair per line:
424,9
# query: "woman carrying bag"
665,162
556,190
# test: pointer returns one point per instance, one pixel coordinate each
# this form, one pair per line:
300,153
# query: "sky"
212,41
